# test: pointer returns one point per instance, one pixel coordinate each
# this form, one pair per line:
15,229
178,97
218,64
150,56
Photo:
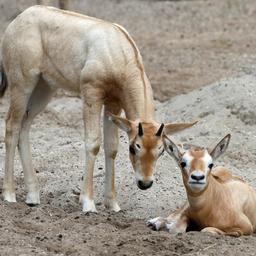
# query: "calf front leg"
176,222
110,147
213,230
92,114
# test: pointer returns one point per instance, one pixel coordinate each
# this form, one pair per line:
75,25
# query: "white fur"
87,204
207,160
33,198
157,223
9,197
187,158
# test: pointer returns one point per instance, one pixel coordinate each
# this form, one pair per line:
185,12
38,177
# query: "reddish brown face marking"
197,163
146,149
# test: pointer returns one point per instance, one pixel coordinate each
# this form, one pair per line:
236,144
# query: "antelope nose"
144,184
197,176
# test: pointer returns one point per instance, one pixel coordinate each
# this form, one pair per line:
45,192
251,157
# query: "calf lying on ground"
218,202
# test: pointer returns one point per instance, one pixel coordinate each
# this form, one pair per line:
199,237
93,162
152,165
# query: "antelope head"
146,145
196,163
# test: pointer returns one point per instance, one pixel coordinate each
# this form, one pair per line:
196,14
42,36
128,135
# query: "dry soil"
185,45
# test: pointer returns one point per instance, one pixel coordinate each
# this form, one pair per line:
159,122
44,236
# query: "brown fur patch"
197,163
136,53
148,142
149,139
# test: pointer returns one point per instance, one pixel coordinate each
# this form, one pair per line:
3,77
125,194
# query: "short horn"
140,129
160,130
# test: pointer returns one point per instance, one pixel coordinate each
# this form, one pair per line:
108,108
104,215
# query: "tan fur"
223,175
225,205
224,202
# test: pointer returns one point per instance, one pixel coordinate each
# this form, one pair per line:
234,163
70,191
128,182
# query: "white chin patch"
196,187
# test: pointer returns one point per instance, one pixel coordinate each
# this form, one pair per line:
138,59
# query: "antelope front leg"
110,147
213,230
157,223
92,113
176,222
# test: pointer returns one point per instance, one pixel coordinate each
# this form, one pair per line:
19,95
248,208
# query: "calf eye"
132,150
210,166
183,164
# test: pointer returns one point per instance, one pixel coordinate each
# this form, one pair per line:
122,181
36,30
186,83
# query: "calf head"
196,163
146,145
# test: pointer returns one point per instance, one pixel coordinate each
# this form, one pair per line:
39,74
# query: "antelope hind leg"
37,102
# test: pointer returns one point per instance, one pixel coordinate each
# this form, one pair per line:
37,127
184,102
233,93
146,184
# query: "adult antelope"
218,202
44,49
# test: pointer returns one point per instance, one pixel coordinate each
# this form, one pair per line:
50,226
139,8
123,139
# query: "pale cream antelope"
44,49
218,202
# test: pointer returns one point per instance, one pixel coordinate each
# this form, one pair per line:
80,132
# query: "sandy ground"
185,45
57,225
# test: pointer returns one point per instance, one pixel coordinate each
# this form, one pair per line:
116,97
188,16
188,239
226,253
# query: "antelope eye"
138,145
210,166
132,150
183,164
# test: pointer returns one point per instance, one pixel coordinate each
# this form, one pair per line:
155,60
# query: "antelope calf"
218,202
44,49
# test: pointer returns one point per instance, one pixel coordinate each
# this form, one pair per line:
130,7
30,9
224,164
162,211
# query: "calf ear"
123,123
221,147
173,128
172,148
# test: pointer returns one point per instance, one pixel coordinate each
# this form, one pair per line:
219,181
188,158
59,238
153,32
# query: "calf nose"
197,176
144,184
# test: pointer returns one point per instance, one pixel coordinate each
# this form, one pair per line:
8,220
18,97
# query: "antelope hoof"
9,197
87,204
156,223
112,205
33,199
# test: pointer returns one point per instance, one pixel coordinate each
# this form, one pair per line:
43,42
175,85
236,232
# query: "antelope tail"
3,81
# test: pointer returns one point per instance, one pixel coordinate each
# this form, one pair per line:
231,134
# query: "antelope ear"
173,128
123,123
171,148
221,147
